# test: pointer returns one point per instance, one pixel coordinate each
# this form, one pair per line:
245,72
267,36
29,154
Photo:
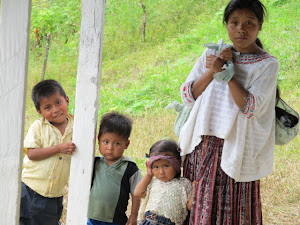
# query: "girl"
228,140
167,195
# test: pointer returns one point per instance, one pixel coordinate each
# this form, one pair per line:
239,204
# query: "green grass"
142,78
136,74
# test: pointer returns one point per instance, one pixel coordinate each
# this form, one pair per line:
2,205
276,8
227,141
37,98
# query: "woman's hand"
226,54
214,63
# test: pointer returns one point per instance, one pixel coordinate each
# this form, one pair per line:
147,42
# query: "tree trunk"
145,17
46,56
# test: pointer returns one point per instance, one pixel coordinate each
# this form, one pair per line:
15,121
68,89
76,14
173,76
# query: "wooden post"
14,37
86,109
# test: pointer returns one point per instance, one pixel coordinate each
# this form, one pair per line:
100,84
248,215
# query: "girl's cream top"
168,199
249,134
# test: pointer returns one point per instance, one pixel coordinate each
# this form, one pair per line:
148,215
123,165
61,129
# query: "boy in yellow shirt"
46,166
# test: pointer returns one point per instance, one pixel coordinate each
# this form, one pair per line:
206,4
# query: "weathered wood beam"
14,37
86,109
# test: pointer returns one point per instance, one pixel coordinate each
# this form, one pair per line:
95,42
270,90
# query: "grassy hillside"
142,78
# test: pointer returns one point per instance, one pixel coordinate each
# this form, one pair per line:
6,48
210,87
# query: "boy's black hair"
115,123
255,6
166,147
45,89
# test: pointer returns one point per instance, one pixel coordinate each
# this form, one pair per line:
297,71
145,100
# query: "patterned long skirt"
218,199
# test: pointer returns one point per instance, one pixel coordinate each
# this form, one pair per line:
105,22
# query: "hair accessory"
171,159
179,149
147,155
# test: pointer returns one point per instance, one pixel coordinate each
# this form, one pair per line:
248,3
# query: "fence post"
14,38
86,109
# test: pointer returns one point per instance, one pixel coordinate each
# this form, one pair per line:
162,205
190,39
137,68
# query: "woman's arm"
239,94
197,81
200,85
214,64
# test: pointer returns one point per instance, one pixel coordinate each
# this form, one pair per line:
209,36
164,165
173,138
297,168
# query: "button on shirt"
47,177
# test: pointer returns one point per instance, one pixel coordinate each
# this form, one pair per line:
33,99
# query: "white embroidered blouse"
249,134
168,199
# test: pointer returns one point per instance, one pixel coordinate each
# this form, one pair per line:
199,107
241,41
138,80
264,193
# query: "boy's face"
54,108
112,147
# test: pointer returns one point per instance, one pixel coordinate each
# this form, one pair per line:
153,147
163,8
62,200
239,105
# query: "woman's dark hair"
253,5
115,123
166,147
45,89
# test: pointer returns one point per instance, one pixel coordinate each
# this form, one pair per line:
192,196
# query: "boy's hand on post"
44,153
66,148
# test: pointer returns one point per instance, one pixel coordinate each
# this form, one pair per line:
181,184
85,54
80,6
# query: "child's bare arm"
44,153
141,188
190,202
132,220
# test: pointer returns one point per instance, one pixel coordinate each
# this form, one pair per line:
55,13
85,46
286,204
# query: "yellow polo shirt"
47,177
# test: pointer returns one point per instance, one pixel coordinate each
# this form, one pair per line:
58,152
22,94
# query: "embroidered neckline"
250,58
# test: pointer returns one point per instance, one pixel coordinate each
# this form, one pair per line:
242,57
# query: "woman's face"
243,28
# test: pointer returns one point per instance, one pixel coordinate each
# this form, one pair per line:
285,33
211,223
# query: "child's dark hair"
115,123
167,147
45,89
253,5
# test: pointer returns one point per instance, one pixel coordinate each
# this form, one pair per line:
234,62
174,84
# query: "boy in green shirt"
115,176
